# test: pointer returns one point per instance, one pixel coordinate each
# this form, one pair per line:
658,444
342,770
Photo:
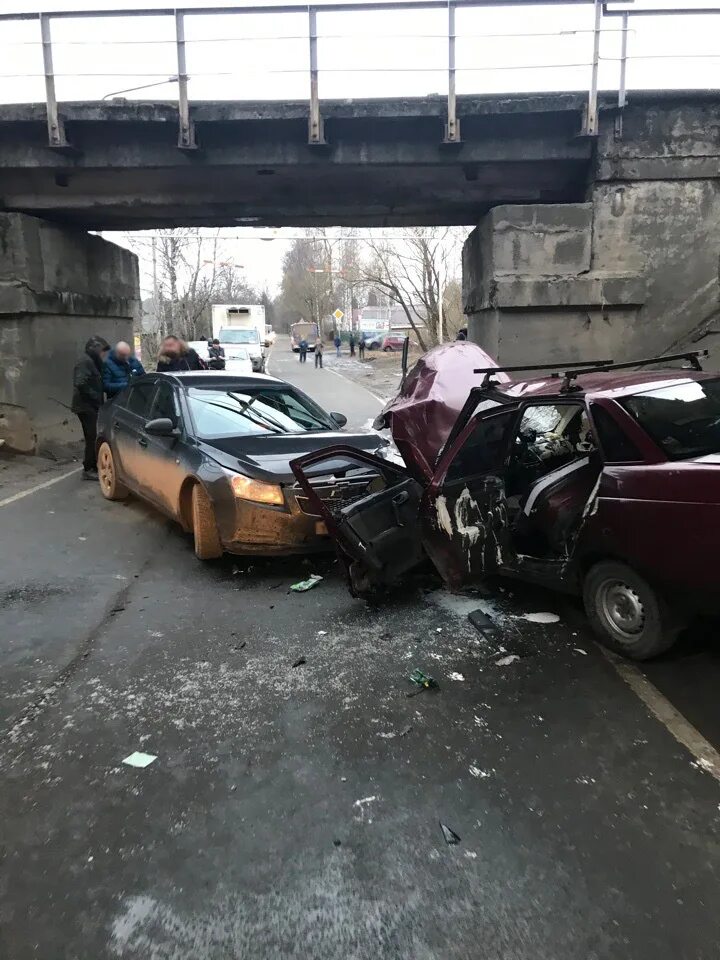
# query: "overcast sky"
361,54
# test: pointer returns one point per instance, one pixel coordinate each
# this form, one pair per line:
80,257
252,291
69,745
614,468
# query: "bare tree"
414,273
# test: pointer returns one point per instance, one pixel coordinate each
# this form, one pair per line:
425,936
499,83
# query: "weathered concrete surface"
58,286
384,162
632,272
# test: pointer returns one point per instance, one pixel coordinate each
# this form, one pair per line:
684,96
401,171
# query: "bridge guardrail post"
56,127
186,128
590,128
316,132
452,129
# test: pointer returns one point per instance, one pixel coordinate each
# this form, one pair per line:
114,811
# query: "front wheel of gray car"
626,613
205,532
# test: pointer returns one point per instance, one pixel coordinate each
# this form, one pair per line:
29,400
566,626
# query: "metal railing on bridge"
613,16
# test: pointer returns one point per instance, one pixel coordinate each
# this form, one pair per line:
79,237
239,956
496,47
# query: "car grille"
337,492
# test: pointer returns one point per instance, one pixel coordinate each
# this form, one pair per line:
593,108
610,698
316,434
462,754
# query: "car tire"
626,613
205,532
110,486
387,349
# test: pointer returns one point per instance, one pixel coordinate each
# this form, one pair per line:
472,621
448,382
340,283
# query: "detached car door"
456,517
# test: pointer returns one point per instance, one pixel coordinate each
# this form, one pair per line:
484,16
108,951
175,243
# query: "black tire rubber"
110,487
661,626
205,532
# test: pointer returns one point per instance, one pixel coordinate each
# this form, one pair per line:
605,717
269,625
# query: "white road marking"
706,755
38,486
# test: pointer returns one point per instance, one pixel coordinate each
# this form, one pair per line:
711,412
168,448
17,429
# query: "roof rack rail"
489,371
568,386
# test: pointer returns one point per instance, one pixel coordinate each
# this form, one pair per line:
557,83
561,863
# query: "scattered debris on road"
302,585
450,836
483,624
299,662
362,805
391,734
139,759
422,680
580,650
506,661
456,676
540,617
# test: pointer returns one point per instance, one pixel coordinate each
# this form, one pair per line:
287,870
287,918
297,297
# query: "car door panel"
128,433
163,463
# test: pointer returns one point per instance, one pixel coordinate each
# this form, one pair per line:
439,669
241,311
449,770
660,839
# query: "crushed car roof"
424,411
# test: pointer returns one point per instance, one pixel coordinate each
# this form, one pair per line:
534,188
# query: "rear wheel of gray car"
626,613
110,486
205,532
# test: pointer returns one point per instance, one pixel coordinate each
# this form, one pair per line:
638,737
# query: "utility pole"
156,298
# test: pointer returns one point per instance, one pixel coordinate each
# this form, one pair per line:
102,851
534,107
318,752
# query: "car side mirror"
339,418
161,427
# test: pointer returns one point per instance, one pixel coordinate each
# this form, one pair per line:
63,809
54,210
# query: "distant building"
370,319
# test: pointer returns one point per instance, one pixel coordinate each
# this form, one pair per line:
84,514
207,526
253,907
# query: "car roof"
218,379
608,384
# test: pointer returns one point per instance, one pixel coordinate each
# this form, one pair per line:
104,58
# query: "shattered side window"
484,448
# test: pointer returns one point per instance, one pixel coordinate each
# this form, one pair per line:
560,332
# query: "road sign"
338,314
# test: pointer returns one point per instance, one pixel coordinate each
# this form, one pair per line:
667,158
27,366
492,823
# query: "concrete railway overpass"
604,244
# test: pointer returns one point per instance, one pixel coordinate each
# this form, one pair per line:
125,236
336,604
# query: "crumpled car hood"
423,413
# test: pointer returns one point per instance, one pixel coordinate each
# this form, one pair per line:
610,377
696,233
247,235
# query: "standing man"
361,346
216,355
352,344
303,350
337,341
87,398
318,353
119,368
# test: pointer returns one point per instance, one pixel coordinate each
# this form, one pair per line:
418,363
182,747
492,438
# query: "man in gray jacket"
88,397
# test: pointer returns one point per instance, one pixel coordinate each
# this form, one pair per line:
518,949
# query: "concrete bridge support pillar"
58,286
633,272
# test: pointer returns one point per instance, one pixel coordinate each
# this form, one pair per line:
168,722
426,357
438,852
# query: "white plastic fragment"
580,650
506,661
540,617
138,759
456,676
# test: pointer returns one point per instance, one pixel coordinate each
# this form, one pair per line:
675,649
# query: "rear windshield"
684,418
255,412
238,335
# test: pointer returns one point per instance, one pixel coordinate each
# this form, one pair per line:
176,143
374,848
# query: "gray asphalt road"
294,811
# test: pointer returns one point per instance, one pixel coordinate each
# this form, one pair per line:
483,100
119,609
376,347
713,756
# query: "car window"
549,436
683,418
484,448
615,444
164,404
138,401
265,410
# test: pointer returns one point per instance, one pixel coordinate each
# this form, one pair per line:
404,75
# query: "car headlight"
256,490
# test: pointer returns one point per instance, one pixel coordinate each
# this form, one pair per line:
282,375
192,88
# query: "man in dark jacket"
119,368
176,355
88,397
216,355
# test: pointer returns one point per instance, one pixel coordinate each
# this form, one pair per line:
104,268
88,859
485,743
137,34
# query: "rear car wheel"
205,533
110,486
626,613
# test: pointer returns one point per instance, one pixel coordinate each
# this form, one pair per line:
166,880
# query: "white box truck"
241,325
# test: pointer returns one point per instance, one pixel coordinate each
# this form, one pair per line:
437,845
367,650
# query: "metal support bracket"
186,128
452,128
56,127
316,127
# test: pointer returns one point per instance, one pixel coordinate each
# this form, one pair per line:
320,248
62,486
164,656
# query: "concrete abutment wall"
58,286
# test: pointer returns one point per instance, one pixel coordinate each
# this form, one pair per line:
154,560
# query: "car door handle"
142,441
117,425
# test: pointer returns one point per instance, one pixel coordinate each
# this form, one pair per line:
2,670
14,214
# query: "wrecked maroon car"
602,481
